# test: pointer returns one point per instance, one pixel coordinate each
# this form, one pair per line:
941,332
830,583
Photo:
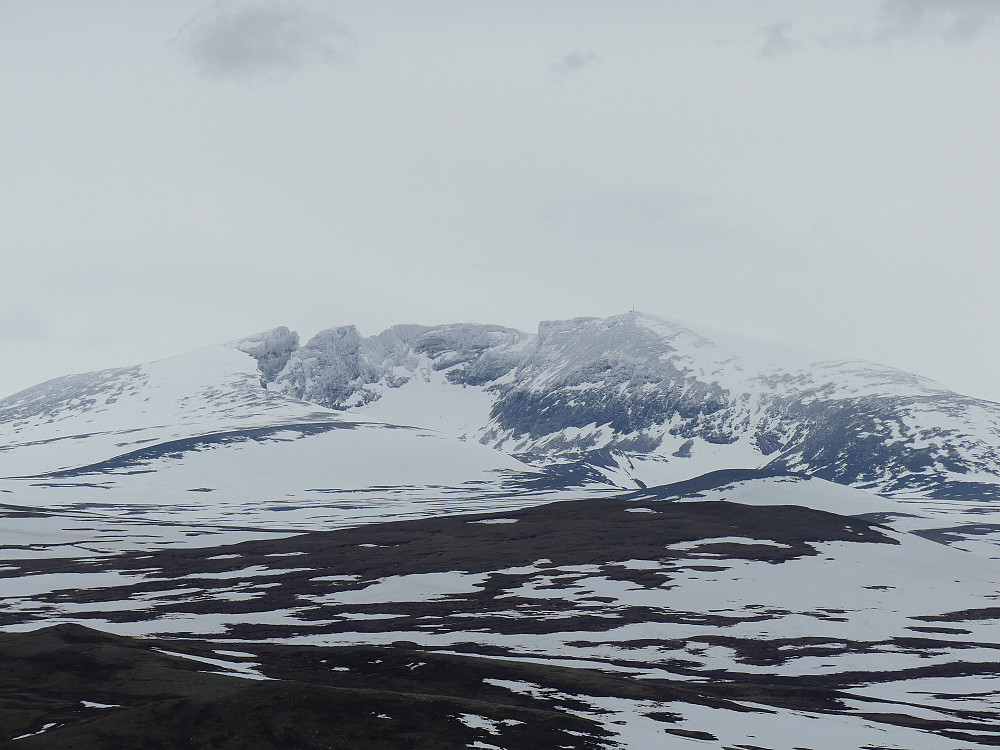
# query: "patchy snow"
32,585
248,670
253,571
43,730
492,726
417,587
678,546
631,725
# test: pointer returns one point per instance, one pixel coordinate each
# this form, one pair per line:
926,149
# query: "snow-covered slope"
203,422
82,419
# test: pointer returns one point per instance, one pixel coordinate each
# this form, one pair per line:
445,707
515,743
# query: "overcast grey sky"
177,173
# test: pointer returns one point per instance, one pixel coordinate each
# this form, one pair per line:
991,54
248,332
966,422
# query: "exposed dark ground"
317,697
412,695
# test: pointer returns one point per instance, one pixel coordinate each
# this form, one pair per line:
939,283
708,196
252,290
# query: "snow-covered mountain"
631,400
640,397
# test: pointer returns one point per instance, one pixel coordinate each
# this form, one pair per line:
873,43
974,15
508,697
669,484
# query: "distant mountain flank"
638,397
627,401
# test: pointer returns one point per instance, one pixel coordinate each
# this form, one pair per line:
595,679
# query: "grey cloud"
777,40
954,20
244,39
574,62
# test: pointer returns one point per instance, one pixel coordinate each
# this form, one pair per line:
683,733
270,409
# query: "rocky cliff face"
337,367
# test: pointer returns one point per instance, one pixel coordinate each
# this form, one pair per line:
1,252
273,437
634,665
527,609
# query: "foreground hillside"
94,691
709,612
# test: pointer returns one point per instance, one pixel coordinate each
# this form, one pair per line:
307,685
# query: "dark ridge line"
709,481
80,436
196,442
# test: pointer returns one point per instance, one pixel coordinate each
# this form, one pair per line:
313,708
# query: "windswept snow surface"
281,465
199,437
83,419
